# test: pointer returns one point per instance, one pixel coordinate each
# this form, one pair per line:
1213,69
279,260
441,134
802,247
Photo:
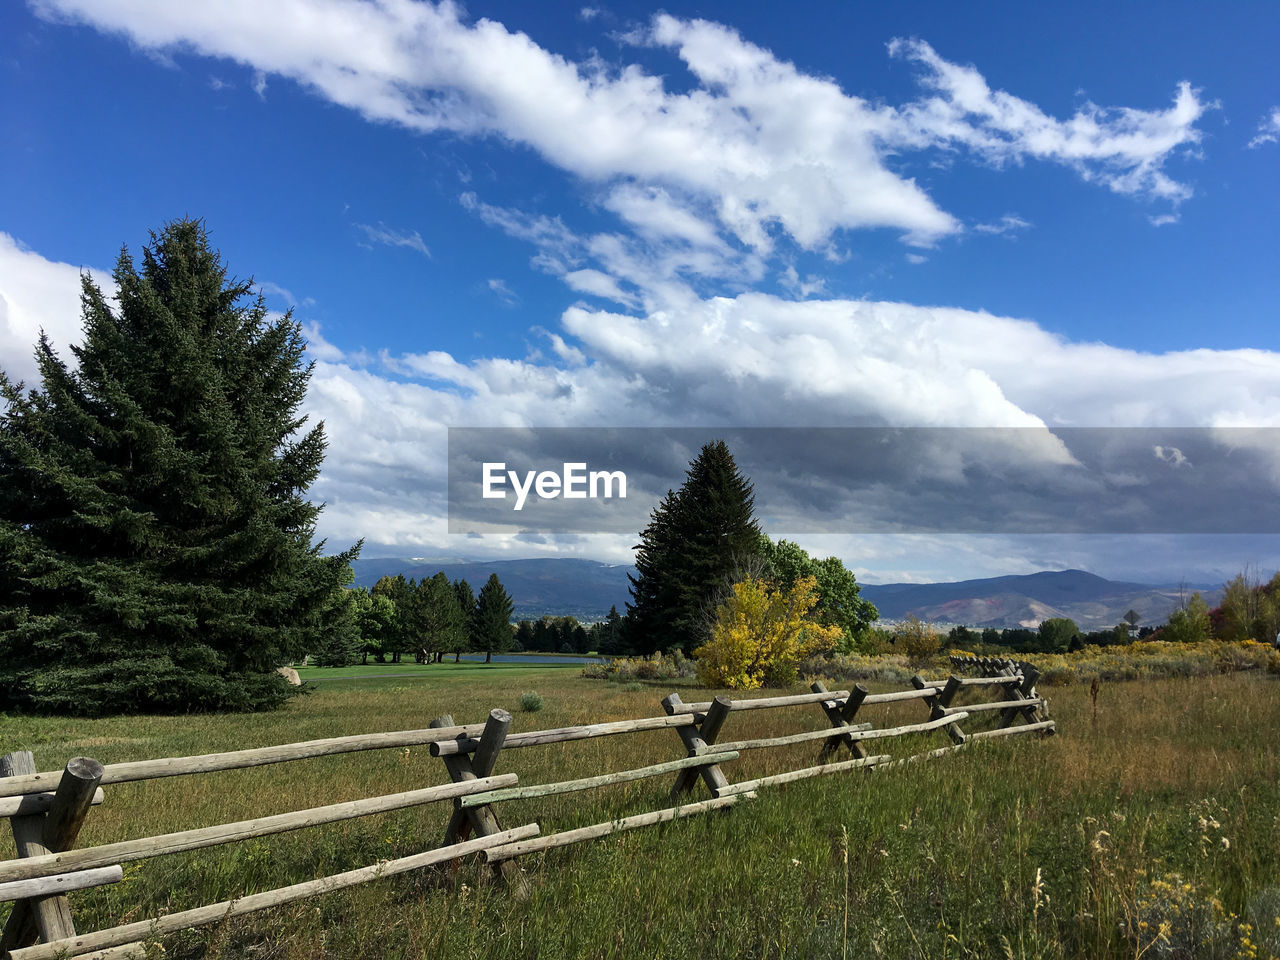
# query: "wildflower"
1226,844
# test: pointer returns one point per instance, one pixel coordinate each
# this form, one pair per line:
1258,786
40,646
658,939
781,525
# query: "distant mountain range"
586,589
1093,602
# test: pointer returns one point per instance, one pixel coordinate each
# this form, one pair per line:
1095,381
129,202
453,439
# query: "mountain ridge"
568,586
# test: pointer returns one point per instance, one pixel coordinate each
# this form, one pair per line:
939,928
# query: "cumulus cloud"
1268,129
38,295
748,360
757,149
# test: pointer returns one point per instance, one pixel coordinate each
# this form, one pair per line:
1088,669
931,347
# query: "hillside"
1091,601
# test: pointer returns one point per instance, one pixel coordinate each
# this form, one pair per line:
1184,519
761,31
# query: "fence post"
697,738
481,820
1017,692
937,704
841,716
47,918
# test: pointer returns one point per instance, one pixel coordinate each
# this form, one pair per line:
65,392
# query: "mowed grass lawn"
1163,814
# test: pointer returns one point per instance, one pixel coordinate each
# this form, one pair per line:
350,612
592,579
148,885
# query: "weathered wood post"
1018,692
938,703
697,740
47,918
841,716
481,821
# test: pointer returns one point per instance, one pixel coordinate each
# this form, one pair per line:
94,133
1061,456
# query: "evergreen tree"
610,632
543,636
493,618
470,612
444,625
155,536
524,636
340,645
693,542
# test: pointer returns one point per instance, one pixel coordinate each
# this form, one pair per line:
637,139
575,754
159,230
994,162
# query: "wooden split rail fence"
48,809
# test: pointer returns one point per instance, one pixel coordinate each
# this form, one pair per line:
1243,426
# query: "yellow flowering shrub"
760,635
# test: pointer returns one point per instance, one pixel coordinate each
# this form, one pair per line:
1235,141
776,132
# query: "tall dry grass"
1115,838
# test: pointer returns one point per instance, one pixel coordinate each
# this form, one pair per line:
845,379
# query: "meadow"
1148,829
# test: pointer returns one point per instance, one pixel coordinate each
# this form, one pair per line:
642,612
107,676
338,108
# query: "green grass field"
1161,815
379,675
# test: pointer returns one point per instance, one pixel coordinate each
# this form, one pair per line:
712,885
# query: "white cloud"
1122,147
653,213
747,360
1268,129
760,147
808,286
752,360
499,288
38,294
267,288
1008,224
598,284
916,258
387,236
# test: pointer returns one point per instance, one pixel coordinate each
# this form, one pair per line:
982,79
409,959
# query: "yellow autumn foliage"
761,633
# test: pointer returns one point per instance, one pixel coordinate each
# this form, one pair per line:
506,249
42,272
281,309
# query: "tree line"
428,618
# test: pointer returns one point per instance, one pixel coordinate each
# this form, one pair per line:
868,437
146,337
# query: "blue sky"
507,214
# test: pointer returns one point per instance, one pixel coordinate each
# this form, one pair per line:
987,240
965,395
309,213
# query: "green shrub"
530,701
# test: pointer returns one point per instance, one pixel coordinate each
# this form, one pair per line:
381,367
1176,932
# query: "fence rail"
46,810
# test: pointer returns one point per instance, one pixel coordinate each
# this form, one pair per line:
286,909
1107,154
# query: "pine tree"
155,536
524,636
470,611
493,618
695,539
444,625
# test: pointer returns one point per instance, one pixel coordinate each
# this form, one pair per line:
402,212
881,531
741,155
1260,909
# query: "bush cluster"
1143,660
658,666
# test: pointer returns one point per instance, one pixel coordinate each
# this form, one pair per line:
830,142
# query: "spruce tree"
444,624
695,539
156,545
470,611
493,618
